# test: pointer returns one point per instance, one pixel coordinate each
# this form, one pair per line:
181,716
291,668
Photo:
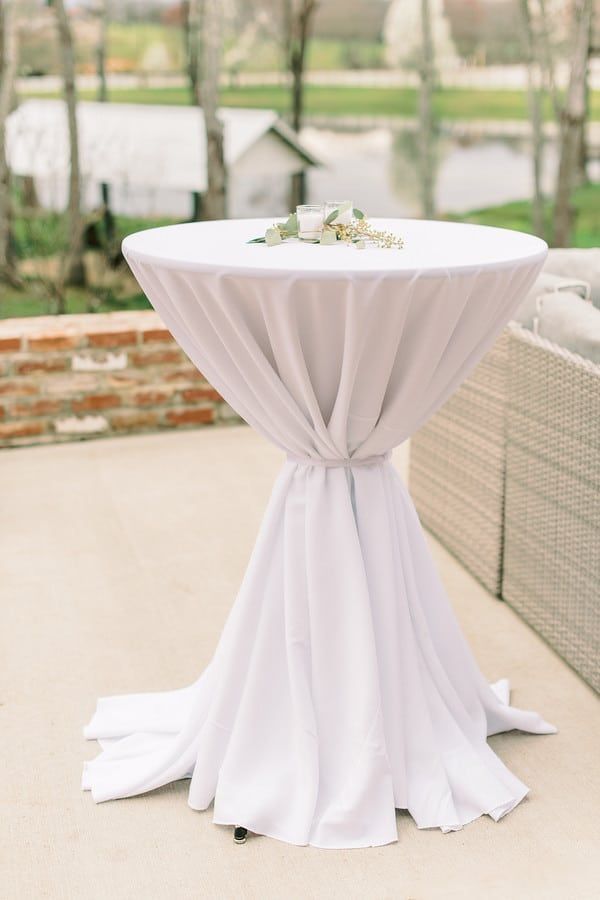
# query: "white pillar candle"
310,220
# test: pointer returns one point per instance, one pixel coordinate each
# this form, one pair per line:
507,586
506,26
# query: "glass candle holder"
345,216
310,220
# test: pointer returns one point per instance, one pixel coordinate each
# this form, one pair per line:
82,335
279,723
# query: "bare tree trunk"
215,201
298,18
581,176
193,40
72,269
535,115
547,59
102,12
426,121
205,24
8,68
191,43
107,216
572,121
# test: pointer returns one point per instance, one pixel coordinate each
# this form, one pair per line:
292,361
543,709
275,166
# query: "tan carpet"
119,560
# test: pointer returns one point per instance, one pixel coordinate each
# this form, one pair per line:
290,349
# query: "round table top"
429,246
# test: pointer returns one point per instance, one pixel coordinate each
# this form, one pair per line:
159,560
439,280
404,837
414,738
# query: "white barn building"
154,157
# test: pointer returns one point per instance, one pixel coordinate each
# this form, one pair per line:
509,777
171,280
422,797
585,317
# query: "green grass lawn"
450,103
130,42
46,234
517,215
32,301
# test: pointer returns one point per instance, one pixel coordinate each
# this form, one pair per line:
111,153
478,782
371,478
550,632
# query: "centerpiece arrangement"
328,223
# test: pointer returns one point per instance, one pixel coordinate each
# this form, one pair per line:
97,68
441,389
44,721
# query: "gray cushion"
569,321
577,263
544,283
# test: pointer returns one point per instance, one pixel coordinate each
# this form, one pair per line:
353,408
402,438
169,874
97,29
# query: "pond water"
378,169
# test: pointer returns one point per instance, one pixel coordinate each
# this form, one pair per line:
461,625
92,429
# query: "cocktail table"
342,688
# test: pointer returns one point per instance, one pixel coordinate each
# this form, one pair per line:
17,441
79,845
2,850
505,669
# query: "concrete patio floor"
119,560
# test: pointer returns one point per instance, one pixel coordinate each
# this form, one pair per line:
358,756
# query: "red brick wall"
68,378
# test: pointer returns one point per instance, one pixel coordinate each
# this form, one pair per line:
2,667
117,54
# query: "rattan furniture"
507,476
457,469
551,569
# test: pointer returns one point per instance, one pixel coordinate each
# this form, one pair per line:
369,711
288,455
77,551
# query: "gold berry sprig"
362,234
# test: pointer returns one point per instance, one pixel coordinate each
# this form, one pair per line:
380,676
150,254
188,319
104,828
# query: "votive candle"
310,220
344,217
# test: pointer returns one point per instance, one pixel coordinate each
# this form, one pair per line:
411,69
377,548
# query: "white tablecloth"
342,687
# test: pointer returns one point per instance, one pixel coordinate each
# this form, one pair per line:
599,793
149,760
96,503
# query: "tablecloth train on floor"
342,687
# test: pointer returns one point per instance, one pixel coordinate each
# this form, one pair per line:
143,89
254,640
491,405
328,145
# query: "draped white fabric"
341,688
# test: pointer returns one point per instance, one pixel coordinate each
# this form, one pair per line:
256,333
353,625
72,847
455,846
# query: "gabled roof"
140,145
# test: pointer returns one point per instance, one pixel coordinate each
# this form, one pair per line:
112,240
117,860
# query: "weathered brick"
201,416
112,338
18,387
60,340
99,361
95,401
125,379
152,397
71,383
78,425
41,364
155,357
42,407
192,395
20,429
128,420
156,335
95,374
188,373
9,343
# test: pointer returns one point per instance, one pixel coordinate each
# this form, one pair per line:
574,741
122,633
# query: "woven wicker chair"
457,469
551,568
507,477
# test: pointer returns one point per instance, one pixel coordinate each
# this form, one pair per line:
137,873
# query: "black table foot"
240,834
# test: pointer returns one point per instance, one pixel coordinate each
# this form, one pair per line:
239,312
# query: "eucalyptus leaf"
291,226
272,237
332,216
328,237
358,213
258,240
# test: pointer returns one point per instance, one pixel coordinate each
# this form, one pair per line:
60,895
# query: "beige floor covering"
119,561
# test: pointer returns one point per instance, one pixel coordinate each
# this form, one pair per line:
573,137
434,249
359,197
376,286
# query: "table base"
341,690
